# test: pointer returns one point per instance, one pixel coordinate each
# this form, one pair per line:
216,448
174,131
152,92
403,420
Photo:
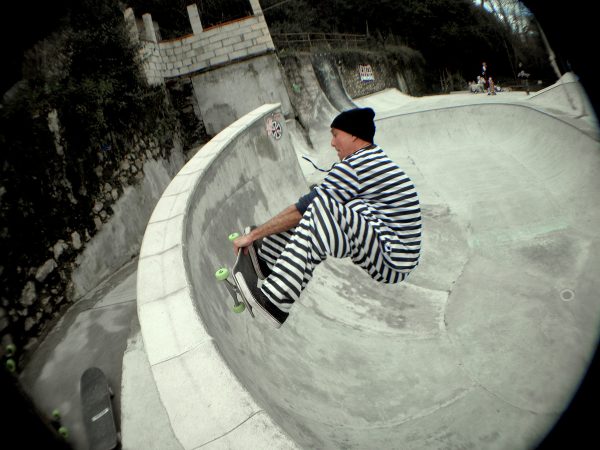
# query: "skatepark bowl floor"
483,346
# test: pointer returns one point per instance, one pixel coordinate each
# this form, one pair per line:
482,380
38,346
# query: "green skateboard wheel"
239,308
56,414
64,432
11,349
234,236
11,365
222,274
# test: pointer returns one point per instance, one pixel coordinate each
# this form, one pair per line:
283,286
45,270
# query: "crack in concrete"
230,431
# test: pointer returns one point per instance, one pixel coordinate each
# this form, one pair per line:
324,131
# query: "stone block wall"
202,50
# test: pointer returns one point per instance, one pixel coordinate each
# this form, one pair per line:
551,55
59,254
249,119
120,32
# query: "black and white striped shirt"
378,189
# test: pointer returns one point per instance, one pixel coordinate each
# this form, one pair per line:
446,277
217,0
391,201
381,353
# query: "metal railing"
309,40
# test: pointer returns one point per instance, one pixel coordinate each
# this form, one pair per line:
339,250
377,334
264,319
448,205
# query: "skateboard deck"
97,410
243,266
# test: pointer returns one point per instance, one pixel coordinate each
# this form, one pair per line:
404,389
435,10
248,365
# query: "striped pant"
326,228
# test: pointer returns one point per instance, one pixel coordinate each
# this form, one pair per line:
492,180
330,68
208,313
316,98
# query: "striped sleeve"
341,183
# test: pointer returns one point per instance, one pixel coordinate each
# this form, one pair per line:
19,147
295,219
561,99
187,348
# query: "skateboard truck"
222,275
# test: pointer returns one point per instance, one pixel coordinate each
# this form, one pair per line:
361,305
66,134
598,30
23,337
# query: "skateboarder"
366,209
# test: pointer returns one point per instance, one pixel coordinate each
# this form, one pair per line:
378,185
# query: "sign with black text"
366,73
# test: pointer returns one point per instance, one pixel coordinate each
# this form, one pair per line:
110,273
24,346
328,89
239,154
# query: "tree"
86,78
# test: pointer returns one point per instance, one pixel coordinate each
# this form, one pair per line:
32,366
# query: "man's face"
344,143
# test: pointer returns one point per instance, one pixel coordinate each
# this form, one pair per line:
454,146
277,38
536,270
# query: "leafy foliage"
452,35
87,72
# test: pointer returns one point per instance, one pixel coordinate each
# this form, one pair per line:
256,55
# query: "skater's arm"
285,220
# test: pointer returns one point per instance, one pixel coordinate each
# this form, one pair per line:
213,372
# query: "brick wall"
204,49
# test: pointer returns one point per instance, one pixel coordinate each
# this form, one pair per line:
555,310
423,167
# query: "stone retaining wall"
202,50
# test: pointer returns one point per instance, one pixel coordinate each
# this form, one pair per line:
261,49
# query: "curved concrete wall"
331,82
238,178
119,240
569,93
483,346
227,93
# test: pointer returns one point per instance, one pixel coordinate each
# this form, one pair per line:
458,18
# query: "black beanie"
357,122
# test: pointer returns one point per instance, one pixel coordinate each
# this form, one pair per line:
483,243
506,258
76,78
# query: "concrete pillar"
194,18
256,8
149,28
132,29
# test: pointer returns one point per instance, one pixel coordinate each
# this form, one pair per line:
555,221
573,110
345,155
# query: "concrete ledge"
205,402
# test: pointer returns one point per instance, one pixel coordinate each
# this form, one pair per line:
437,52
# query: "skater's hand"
242,242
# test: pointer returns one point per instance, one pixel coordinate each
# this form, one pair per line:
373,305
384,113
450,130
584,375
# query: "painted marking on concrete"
274,128
567,295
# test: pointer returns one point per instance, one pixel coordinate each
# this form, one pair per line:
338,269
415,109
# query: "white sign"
366,72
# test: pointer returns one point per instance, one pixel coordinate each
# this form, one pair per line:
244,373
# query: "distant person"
476,87
484,73
491,90
366,209
480,84
489,81
524,76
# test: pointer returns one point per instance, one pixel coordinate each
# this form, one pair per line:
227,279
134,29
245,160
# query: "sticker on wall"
366,73
274,128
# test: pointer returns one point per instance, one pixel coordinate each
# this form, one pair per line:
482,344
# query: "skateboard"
97,410
242,265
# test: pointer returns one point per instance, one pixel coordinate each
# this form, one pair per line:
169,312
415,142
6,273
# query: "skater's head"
352,130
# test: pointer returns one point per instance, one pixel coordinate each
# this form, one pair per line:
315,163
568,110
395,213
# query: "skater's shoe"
261,268
259,301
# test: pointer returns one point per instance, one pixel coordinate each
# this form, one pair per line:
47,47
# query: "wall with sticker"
232,66
244,175
226,94
365,73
